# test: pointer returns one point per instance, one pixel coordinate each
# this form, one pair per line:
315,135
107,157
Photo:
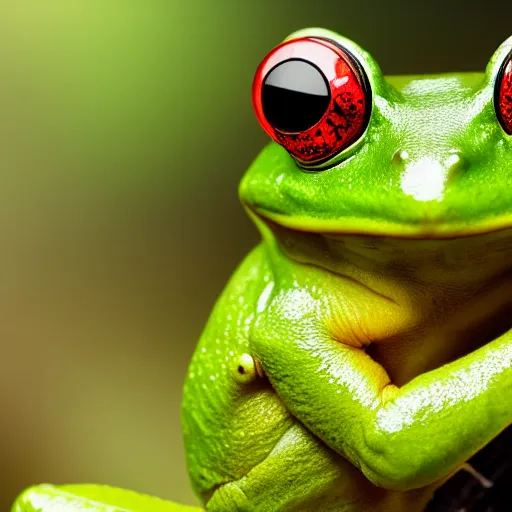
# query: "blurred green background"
124,129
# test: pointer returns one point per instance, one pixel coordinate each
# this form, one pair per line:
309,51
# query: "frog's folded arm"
402,438
96,498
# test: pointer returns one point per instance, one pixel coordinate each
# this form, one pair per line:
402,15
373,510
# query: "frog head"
354,152
399,175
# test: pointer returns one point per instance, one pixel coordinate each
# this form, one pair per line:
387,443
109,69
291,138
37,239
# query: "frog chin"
454,292
466,259
457,267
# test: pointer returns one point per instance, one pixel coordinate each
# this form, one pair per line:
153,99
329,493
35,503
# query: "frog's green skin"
363,351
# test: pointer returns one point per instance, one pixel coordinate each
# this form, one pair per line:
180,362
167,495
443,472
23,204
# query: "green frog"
362,352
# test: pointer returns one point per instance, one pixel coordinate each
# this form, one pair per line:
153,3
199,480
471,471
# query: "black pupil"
295,96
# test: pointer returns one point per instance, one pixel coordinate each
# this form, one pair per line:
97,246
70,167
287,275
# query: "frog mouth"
425,229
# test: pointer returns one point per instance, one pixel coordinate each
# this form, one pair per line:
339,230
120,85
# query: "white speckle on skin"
264,298
298,304
463,385
350,379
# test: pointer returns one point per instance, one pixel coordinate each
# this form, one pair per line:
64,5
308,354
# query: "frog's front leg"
400,437
326,481
93,498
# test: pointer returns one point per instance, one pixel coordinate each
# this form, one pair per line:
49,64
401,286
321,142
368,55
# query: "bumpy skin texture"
363,351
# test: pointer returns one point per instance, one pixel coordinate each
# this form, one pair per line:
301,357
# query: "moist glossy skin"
372,275
363,351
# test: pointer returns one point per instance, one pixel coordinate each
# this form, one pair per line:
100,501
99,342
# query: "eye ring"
503,94
313,81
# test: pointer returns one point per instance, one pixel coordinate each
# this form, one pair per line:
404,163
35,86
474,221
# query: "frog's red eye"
312,97
503,95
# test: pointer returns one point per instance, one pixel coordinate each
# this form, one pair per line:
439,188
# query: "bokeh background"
124,129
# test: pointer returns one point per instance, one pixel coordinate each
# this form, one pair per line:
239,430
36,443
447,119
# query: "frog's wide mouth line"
368,227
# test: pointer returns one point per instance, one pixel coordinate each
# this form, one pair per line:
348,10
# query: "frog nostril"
455,165
400,158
